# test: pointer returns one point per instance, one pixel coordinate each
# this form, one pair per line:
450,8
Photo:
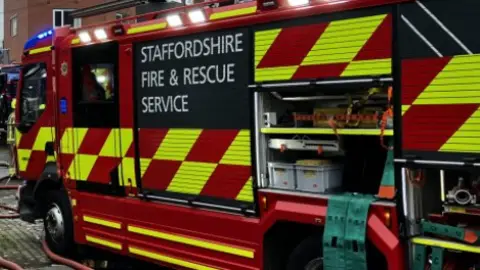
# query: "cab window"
33,92
97,82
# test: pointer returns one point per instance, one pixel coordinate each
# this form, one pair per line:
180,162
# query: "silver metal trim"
345,81
286,84
434,162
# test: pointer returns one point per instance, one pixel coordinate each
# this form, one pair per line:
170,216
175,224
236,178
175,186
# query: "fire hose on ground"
54,257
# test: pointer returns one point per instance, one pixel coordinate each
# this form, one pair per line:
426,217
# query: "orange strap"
388,113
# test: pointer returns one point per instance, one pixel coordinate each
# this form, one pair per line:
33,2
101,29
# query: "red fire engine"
259,135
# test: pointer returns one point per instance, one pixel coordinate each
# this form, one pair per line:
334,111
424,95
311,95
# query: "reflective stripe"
246,194
167,259
191,177
263,42
45,134
247,253
233,13
146,28
40,50
23,158
177,144
368,67
342,40
239,152
103,222
103,242
275,73
445,244
75,41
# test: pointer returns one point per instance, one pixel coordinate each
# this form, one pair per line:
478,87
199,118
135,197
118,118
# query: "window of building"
62,17
13,25
33,92
77,22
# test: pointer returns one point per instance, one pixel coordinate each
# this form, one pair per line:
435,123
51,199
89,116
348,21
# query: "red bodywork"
174,228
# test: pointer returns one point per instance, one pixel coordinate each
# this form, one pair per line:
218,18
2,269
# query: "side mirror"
24,127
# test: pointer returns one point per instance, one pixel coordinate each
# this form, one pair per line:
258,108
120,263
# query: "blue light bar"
33,41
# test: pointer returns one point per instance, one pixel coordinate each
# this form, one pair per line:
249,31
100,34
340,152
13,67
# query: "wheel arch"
282,238
49,180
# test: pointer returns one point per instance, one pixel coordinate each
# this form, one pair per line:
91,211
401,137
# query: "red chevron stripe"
417,74
35,166
93,141
292,45
430,135
211,145
65,161
149,141
227,181
379,46
159,174
319,71
102,168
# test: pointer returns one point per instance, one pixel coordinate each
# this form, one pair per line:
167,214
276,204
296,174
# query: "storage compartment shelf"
327,131
304,145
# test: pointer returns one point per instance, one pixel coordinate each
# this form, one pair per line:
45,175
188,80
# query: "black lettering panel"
196,81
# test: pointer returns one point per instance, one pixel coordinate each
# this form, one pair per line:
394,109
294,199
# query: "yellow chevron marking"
342,40
75,41
72,139
196,242
368,67
23,158
405,108
103,242
45,134
239,151
191,177
167,259
465,139
144,163
102,222
233,13
81,166
263,42
177,144
118,142
246,194
457,83
127,170
275,73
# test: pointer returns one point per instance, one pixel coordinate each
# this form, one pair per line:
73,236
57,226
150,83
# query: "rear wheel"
58,222
308,255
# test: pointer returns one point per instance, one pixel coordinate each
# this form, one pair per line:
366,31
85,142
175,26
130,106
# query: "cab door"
34,110
97,146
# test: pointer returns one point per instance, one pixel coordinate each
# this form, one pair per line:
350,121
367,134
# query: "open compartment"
324,138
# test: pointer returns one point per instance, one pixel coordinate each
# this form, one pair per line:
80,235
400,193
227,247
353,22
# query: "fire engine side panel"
193,115
440,80
348,44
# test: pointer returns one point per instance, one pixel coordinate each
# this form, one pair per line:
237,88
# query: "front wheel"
308,255
58,223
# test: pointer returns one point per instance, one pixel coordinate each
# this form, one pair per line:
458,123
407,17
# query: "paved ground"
20,241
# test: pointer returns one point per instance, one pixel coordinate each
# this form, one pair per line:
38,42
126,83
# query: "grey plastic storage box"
319,179
282,175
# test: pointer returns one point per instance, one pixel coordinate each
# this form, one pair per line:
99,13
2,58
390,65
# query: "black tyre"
58,223
308,255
